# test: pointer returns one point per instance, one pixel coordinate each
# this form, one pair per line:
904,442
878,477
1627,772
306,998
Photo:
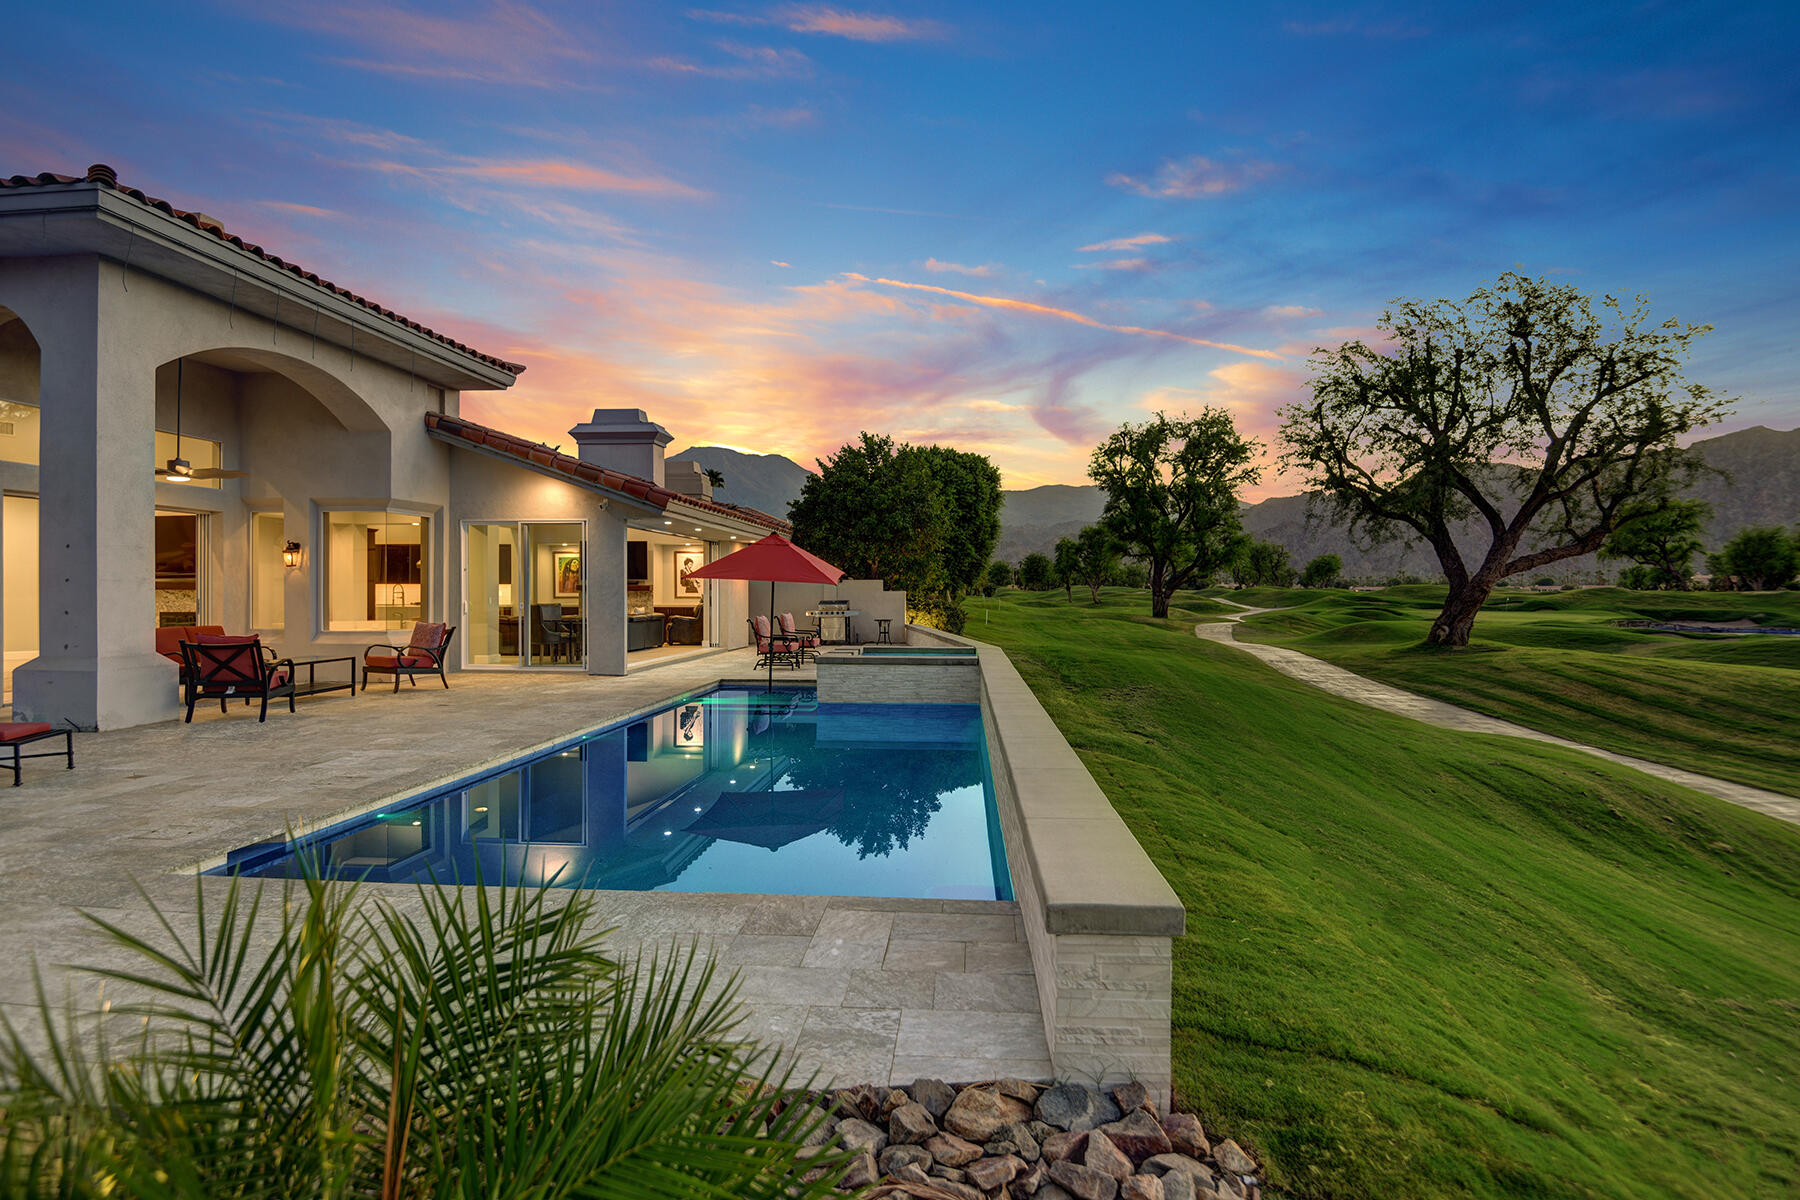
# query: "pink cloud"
835,22
1063,314
985,271
571,176
1118,264
1193,177
1124,244
1287,311
752,62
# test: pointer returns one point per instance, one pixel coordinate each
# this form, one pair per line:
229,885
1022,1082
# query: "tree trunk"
1069,590
1457,620
1159,595
1095,589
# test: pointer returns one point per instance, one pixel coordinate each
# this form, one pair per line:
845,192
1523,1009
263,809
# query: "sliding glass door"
522,583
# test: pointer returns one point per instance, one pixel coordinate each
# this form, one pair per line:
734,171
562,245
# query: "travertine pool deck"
859,989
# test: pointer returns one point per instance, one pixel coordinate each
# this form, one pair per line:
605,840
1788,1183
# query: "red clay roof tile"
538,454
104,176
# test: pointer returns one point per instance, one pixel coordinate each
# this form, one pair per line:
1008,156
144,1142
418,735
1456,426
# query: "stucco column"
96,663
603,593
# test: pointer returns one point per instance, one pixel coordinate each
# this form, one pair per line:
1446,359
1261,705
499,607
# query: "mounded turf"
1723,706
1422,963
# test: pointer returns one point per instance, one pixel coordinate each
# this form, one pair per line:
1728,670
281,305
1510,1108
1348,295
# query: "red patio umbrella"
771,560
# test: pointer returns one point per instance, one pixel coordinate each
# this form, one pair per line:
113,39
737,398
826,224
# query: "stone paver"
1362,690
843,983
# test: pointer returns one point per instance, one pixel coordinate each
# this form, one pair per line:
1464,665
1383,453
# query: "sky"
1007,227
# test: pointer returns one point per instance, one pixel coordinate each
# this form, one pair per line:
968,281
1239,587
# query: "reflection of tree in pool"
885,808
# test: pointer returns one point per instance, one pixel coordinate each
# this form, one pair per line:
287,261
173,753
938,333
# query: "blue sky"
1007,227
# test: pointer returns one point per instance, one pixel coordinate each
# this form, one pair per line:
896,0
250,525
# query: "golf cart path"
1352,686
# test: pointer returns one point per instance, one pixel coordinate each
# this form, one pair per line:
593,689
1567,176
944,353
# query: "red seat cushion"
387,662
170,637
428,635
12,731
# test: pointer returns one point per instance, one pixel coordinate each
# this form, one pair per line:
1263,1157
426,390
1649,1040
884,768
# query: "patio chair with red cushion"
423,654
15,735
772,650
809,639
222,666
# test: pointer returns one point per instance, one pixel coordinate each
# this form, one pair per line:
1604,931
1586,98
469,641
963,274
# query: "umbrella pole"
772,628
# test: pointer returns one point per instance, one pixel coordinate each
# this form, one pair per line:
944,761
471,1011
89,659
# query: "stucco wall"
317,427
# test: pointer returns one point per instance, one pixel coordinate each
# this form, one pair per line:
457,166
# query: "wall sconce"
290,554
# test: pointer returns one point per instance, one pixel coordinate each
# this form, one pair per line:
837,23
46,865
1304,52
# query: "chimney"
624,439
689,479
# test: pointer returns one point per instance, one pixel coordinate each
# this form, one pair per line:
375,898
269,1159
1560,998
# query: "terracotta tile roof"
103,175
546,459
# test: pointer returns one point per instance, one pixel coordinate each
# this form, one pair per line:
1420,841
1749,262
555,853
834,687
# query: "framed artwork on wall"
687,562
566,580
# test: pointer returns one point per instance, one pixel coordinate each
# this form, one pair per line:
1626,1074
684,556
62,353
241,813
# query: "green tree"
1171,495
920,518
1322,572
1094,558
1261,564
1761,558
483,1047
999,575
1065,564
1521,409
1662,543
1036,573
1129,574
715,477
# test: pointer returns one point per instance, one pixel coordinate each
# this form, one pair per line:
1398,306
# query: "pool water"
735,790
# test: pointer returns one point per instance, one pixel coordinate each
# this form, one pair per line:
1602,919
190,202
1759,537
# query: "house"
194,431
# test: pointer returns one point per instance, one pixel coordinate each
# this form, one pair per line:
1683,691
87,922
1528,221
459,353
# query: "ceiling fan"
178,469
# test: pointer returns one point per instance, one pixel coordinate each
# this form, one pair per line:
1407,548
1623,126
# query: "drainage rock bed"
1008,1139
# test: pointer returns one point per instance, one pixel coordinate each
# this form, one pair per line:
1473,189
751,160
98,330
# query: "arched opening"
19,441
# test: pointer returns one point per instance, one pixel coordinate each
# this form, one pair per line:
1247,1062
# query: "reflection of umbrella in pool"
770,819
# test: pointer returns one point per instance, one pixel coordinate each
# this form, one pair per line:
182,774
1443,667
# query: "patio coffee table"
314,686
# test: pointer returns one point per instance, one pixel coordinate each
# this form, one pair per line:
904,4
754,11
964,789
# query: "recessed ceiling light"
668,522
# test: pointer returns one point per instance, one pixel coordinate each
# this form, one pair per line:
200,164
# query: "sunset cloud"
1118,264
835,22
1063,314
1289,311
1118,245
985,271
570,176
749,62
1194,177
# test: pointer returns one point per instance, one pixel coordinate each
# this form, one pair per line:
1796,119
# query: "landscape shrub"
933,612
481,1045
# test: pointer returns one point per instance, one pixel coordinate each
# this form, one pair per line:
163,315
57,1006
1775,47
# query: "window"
18,432
375,570
268,576
199,453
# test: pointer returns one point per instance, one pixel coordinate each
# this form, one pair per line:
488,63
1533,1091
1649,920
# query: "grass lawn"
1422,963
1557,662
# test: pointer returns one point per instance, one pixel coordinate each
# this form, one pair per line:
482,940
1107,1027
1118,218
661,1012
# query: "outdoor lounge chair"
221,666
423,654
809,639
772,650
14,735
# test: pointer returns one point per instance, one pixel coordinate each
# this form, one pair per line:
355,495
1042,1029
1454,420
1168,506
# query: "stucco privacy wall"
103,334
1099,918
868,598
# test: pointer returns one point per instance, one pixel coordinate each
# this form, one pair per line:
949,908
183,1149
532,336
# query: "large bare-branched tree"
1521,409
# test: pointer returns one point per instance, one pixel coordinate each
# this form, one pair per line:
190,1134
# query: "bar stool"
881,631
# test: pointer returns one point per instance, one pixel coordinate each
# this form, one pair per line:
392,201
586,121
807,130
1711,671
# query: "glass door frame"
203,547
523,596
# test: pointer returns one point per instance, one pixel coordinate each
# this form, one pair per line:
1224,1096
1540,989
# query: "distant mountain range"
1762,488
768,482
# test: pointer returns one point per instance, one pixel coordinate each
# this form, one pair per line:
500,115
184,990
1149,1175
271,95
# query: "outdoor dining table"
834,623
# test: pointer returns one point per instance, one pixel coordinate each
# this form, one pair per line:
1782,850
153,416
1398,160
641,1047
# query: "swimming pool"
734,790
